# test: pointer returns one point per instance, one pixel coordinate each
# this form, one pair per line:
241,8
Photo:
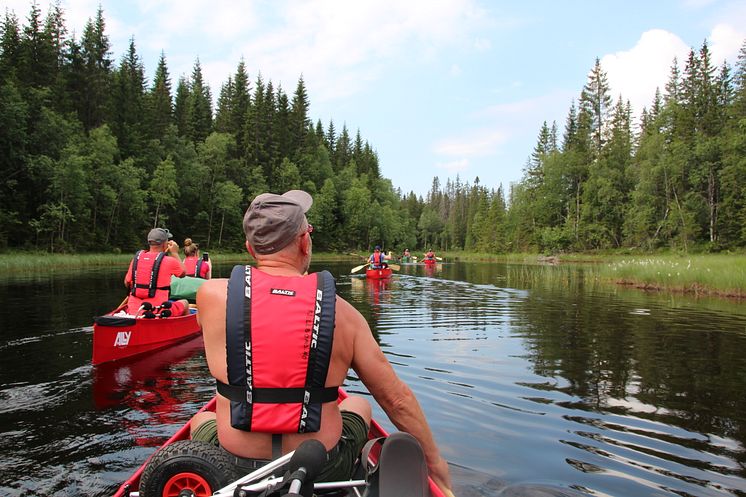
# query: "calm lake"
534,377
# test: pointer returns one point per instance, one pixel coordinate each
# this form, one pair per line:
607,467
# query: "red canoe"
429,261
116,338
133,484
378,274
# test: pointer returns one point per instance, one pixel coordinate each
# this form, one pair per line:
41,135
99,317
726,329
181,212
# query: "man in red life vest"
149,274
377,259
302,337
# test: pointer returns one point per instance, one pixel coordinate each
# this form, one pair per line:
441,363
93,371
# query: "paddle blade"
395,267
438,258
358,268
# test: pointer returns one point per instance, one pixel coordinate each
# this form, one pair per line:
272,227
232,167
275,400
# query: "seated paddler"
377,259
273,332
148,277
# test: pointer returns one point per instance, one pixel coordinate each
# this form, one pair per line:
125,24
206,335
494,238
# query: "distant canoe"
378,274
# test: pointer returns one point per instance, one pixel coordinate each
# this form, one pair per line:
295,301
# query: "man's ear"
305,244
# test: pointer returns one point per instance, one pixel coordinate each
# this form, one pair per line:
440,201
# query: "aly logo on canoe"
123,338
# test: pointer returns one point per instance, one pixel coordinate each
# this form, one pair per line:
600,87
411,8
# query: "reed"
723,275
23,262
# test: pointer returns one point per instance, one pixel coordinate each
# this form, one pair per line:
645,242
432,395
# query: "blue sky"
438,88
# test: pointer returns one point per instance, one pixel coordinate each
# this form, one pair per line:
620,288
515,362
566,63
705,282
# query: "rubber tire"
186,456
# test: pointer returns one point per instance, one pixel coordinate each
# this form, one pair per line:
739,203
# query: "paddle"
358,268
395,267
438,258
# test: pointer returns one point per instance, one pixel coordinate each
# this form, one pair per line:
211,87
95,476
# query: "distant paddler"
377,259
149,274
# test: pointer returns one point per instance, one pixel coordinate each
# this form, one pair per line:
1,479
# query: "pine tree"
93,104
10,47
596,102
224,112
240,104
200,106
183,108
129,104
299,120
160,101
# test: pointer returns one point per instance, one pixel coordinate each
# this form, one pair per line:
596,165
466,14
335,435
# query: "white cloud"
340,46
636,73
477,143
725,42
455,166
456,70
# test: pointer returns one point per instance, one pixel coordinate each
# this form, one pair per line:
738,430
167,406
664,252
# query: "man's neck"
278,267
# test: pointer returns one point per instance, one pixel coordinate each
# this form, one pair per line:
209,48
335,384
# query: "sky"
437,87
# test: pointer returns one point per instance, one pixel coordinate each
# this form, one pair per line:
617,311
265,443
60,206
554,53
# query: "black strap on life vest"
240,388
278,395
151,286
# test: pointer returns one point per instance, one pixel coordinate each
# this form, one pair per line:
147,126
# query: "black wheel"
186,468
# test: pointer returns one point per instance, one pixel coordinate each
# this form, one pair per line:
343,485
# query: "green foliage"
91,158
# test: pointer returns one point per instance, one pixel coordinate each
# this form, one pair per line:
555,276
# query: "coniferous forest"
93,153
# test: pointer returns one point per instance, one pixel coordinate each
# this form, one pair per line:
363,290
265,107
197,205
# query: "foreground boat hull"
133,483
378,274
121,338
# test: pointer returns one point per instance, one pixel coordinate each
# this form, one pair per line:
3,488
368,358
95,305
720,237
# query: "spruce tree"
200,106
160,100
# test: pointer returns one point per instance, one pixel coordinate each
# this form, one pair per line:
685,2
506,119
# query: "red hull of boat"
133,337
378,274
430,262
133,483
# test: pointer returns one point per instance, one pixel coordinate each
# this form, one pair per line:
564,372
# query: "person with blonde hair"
194,265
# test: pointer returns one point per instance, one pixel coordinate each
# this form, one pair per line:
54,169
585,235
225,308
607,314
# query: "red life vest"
378,260
279,332
145,269
198,269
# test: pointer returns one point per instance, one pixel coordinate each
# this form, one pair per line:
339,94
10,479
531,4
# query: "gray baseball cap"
272,221
158,236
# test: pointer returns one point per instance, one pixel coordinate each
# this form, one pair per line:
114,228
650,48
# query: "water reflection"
534,379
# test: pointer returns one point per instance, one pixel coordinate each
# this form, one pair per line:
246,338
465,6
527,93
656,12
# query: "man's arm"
391,393
128,275
178,268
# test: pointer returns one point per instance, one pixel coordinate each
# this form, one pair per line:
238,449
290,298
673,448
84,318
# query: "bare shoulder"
348,318
212,288
211,297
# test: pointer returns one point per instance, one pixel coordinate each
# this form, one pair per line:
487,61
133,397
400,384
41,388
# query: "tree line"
93,154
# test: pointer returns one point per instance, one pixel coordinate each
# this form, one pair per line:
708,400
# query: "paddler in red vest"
430,255
149,274
195,265
377,259
294,317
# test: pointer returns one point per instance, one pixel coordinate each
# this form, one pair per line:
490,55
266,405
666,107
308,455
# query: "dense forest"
93,154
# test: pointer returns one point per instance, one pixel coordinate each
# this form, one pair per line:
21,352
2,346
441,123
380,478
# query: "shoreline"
711,275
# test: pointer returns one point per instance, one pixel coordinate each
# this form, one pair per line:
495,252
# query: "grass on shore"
721,275
708,274
19,262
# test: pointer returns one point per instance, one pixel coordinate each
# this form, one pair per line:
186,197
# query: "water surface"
534,377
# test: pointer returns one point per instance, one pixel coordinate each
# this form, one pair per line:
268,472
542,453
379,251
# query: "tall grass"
701,274
40,261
